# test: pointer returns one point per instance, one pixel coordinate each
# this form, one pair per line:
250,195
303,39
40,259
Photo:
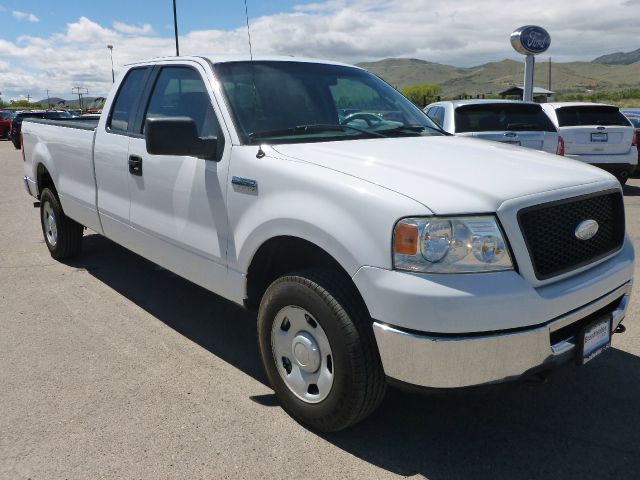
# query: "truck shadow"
582,423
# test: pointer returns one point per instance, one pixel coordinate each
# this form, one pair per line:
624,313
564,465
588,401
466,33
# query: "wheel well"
44,179
279,256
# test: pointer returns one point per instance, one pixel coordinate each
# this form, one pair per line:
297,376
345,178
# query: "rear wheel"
318,350
62,235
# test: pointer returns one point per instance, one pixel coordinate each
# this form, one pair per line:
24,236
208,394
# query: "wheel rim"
50,226
302,354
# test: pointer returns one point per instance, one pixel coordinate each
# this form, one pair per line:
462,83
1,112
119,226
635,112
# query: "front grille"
549,232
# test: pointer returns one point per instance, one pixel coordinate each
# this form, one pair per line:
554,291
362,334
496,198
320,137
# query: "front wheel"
62,235
318,350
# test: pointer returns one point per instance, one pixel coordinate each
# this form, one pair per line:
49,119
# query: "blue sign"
530,40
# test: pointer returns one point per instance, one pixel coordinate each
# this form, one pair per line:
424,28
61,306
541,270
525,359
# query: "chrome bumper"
451,361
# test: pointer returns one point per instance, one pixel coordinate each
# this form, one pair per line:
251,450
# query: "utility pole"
549,73
28,98
175,28
48,100
80,91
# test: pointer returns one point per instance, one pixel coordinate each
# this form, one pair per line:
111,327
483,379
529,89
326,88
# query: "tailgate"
597,140
547,141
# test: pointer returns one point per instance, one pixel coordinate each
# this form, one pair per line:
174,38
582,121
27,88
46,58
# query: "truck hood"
448,175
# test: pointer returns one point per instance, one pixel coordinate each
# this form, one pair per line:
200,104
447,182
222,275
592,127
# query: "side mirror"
178,136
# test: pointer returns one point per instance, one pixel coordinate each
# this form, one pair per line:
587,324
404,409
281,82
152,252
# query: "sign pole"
530,41
529,68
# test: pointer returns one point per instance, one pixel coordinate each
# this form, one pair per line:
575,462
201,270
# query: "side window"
438,116
430,113
180,92
122,112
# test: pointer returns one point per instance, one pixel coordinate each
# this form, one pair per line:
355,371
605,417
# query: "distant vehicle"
5,123
634,118
598,134
507,121
16,125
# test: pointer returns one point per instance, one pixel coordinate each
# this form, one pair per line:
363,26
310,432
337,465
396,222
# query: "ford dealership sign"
530,40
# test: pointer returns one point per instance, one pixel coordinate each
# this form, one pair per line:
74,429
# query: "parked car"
634,118
506,121
597,134
5,123
372,253
16,126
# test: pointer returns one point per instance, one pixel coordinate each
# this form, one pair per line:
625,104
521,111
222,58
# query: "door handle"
135,165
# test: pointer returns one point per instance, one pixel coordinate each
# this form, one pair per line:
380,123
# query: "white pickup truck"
375,247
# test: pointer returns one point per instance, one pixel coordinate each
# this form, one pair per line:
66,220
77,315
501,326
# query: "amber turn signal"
405,239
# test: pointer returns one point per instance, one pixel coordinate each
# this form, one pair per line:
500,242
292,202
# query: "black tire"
67,242
358,383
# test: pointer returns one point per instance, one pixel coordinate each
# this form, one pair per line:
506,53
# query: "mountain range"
494,77
615,71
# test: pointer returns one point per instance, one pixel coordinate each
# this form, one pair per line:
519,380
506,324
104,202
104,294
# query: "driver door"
178,212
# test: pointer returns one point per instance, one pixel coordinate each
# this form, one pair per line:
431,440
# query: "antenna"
175,28
246,14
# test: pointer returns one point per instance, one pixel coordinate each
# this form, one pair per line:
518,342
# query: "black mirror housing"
178,136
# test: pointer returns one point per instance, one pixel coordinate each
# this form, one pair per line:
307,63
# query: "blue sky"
192,14
58,44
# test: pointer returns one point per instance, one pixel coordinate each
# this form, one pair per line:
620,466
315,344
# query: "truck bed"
82,123
70,143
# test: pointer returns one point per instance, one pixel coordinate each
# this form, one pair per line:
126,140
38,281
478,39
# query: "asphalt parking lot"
111,367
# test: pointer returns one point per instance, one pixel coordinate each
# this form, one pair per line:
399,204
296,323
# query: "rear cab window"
125,105
586,115
497,117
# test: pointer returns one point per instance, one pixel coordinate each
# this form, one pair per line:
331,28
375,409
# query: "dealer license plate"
595,338
600,137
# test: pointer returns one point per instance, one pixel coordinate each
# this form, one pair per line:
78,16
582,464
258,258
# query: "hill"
619,58
492,78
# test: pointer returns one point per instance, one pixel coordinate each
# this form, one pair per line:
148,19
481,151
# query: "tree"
423,94
22,104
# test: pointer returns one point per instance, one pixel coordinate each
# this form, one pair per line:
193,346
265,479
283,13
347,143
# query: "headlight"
450,245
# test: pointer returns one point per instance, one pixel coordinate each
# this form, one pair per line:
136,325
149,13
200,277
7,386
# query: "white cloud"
458,33
25,16
145,29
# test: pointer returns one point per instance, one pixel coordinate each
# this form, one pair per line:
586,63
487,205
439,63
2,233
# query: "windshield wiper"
316,127
413,128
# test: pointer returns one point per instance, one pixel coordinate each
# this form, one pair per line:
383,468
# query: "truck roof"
482,101
577,104
228,58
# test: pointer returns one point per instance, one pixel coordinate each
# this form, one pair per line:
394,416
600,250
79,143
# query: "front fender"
352,220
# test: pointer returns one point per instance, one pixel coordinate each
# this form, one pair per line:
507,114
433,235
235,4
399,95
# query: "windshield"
287,102
498,117
585,115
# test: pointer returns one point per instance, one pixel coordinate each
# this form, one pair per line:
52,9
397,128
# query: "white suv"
597,134
506,121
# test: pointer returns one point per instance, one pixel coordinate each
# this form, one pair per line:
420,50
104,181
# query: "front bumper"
453,361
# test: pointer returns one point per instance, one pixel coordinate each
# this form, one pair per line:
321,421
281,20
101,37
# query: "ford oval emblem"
586,229
530,40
